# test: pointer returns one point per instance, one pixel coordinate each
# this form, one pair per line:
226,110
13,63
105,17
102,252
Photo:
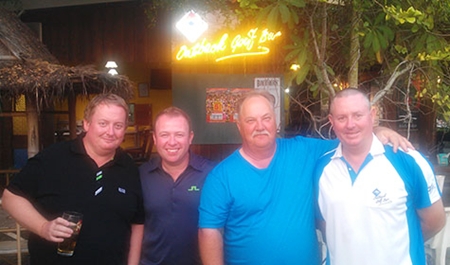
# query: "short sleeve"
214,202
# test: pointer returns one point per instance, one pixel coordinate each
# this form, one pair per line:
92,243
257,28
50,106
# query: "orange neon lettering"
239,46
246,42
202,48
268,36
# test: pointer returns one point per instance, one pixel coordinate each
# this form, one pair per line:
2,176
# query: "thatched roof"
27,67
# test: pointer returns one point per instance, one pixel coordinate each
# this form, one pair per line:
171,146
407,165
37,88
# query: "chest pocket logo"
380,198
193,188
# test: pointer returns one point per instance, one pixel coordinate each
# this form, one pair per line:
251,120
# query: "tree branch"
397,73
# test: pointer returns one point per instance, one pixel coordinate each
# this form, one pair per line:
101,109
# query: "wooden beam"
72,102
24,113
13,114
33,126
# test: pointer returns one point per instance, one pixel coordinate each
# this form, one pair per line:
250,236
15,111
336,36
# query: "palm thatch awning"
48,82
28,68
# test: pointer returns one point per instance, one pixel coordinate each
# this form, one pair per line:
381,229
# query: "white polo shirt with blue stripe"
371,215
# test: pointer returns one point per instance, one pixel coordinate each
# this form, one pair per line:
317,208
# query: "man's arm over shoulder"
432,219
211,246
386,135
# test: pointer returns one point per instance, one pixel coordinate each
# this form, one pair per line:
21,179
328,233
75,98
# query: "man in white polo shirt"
376,206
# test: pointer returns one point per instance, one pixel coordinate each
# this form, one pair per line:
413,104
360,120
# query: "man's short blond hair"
174,112
107,99
254,93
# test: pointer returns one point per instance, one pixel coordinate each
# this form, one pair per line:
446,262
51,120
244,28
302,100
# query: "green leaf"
291,55
314,87
302,73
330,70
383,42
368,40
273,16
285,13
318,74
316,93
401,49
297,3
302,56
387,33
376,44
410,19
264,13
295,18
296,39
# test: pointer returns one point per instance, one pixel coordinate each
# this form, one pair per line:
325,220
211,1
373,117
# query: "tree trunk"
354,51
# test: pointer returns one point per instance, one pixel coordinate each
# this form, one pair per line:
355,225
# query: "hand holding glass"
67,247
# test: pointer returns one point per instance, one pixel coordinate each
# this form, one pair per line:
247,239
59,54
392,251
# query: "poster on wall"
220,104
216,104
273,86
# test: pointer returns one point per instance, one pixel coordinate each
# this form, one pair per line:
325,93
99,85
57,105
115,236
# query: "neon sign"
252,44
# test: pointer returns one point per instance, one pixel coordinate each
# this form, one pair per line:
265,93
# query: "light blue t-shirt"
267,214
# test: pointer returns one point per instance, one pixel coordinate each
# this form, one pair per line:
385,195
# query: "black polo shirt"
171,212
64,178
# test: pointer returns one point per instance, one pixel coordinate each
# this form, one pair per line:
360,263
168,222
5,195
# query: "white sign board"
273,86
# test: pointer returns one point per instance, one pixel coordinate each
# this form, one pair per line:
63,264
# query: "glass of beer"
67,247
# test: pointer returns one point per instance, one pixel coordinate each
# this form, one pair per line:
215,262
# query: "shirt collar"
194,160
77,147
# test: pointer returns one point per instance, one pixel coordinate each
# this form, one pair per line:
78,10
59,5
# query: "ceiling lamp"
111,64
113,72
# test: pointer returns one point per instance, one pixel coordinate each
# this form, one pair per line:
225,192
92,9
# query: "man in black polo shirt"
90,175
171,184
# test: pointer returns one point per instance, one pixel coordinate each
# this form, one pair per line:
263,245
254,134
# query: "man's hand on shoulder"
386,135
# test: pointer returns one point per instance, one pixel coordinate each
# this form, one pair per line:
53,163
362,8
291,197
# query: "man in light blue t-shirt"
257,205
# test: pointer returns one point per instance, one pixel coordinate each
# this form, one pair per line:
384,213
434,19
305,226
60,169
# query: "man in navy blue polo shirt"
171,184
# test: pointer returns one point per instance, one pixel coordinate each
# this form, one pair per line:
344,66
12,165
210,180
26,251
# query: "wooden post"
33,126
19,244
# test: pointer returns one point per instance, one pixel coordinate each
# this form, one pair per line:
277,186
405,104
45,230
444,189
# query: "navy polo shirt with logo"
171,212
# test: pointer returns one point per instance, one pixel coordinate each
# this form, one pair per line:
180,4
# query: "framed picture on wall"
131,114
143,90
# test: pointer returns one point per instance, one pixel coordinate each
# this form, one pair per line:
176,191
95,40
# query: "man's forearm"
23,212
432,219
137,234
211,246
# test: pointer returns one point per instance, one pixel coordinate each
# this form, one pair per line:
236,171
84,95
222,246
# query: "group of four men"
255,207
